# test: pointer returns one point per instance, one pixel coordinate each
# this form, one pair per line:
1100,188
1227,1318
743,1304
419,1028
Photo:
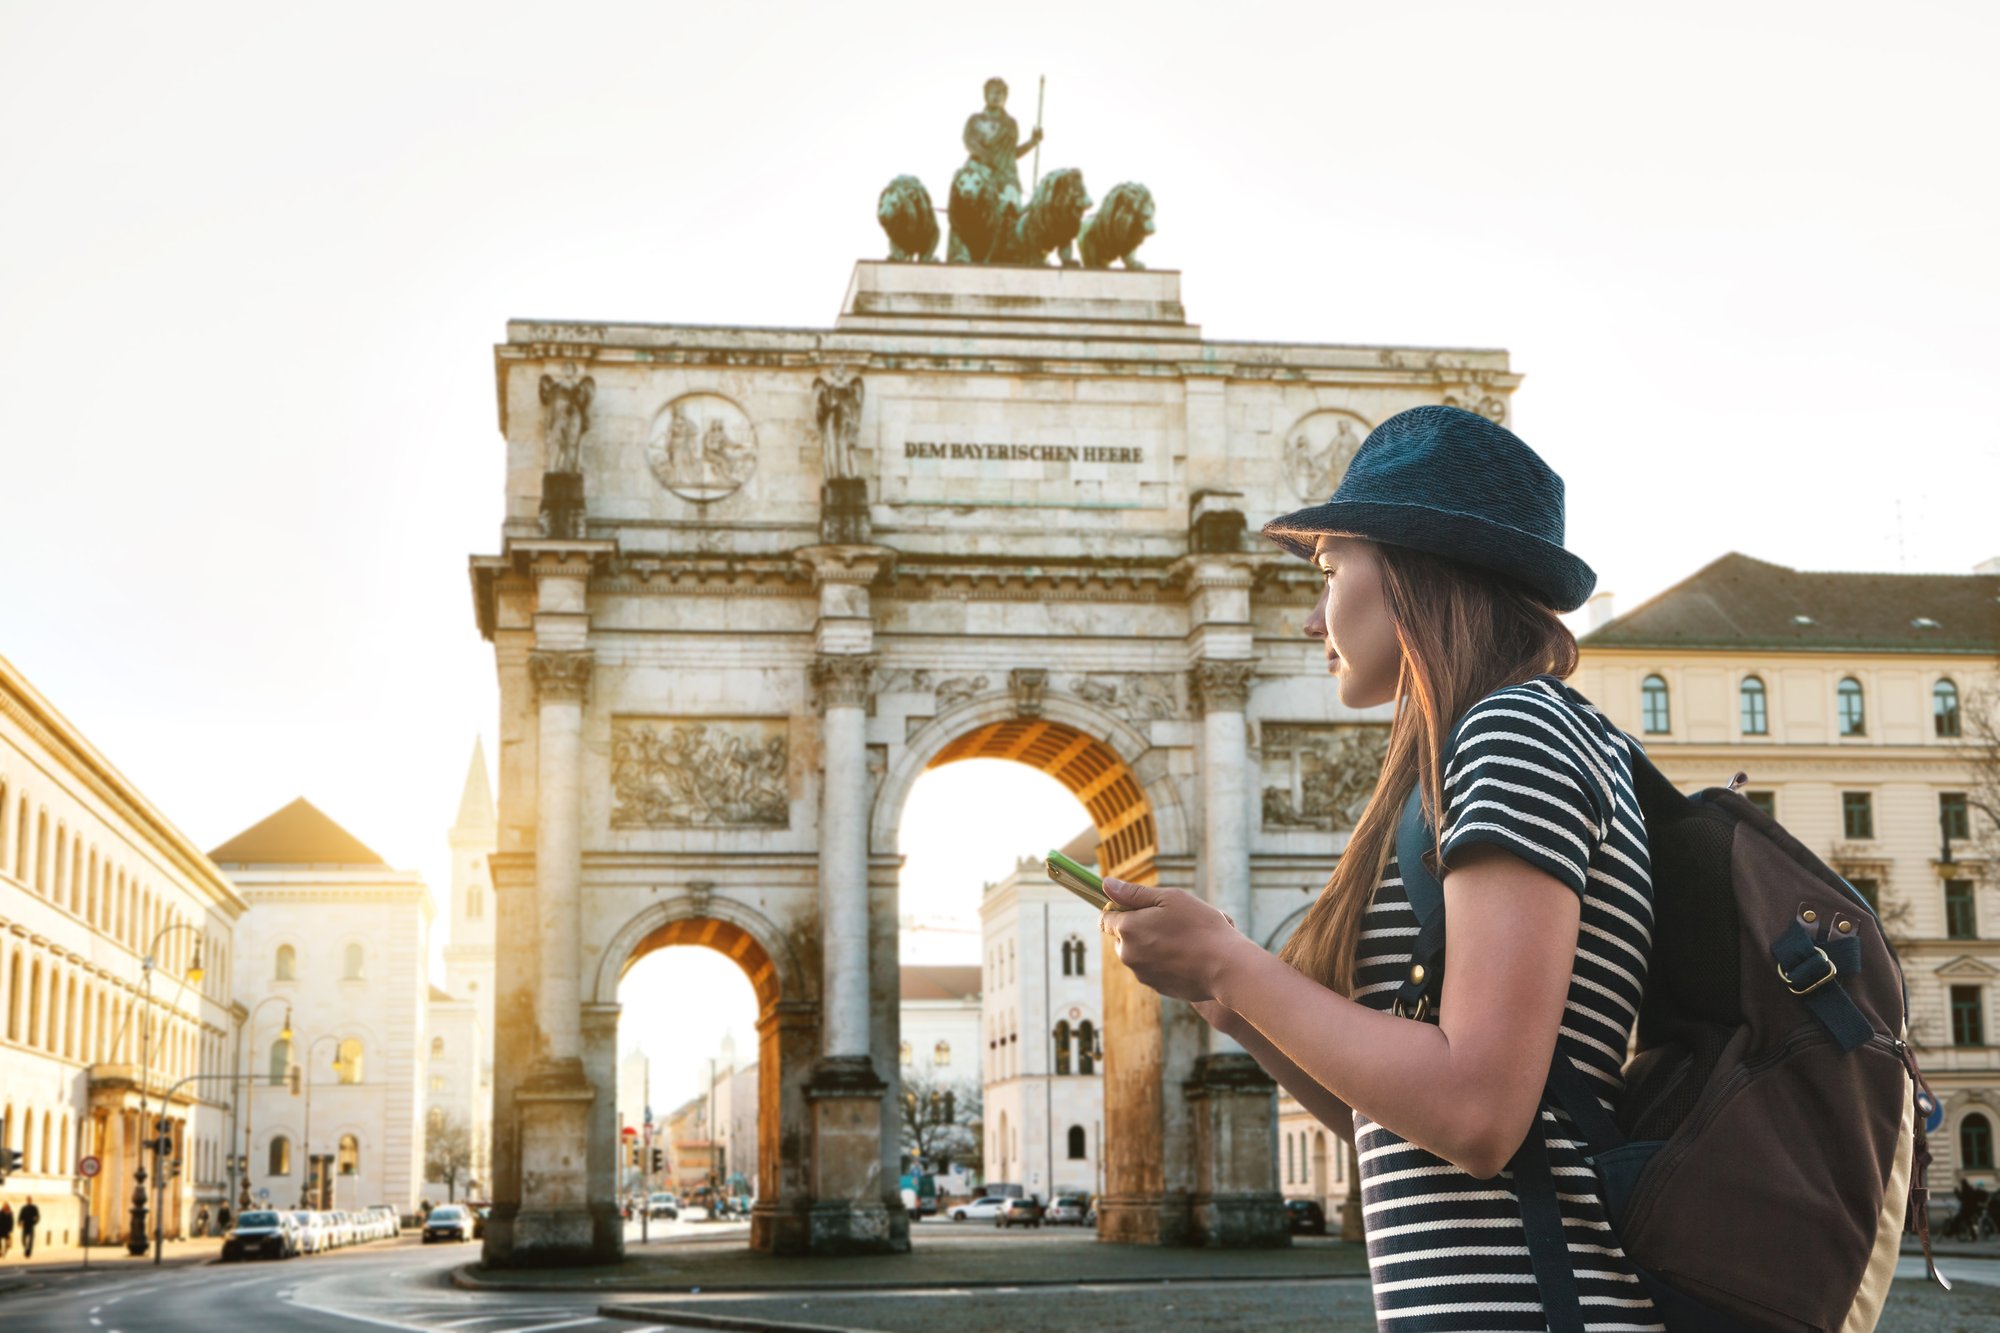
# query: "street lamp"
310,1177
135,1243
250,1111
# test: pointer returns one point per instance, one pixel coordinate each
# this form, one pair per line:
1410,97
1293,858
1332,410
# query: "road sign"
88,1167
263,1194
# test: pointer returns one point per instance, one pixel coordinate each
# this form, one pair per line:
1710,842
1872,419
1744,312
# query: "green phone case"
1084,873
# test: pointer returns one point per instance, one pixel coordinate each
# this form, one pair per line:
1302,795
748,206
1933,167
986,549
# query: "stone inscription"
714,773
1024,453
1320,776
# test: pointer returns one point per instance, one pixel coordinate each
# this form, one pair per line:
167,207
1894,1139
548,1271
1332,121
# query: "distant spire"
475,807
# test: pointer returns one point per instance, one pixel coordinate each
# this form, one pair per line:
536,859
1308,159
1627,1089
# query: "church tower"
468,958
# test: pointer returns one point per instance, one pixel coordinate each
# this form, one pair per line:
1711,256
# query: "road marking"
95,1322
567,1323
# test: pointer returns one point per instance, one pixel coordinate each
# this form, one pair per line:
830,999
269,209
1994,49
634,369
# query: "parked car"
392,1221
1308,1218
480,1212
262,1234
1025,1212
448,1221
311,1234
1068,1209
664,1205
979,1210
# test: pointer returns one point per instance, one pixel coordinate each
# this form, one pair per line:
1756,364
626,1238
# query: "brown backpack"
1768,1150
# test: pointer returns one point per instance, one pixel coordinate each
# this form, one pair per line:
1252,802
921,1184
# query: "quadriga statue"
988,226
905,213
1120,226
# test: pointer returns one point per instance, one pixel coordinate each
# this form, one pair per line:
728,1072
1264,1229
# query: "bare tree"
1979,721
447,1150
939,1116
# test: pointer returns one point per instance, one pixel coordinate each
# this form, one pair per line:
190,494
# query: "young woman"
1444,574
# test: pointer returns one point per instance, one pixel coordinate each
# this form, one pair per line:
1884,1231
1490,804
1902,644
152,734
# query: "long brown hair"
1464,633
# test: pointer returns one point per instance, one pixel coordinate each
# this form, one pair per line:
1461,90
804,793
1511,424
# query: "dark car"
1308,1218
448,1221
480,1212
1020,1213
262,1234
1070,1208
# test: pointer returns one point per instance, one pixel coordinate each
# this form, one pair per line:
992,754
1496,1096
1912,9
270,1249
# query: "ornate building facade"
117,964
458,1072
1852,702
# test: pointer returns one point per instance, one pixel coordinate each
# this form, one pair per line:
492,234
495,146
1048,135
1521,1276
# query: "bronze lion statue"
1119,226
1052,220
905,213
981,214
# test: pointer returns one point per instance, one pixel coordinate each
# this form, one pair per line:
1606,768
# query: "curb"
463,1279
649,1314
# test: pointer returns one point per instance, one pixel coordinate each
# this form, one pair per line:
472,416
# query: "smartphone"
1081,881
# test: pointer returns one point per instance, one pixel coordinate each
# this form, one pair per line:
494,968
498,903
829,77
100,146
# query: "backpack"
1769,1148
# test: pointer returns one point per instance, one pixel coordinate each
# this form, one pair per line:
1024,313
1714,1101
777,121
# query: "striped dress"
1533,768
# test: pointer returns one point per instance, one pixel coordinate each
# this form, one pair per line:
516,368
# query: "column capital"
842,680
1221,685
845,563
561,674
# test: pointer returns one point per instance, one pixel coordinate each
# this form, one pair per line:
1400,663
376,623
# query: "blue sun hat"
1450,482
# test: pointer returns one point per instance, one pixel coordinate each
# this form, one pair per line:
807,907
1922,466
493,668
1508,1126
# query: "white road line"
567,1323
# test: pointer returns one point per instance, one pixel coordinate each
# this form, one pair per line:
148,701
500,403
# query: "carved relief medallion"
711,773
1318,450
701,447
1320,776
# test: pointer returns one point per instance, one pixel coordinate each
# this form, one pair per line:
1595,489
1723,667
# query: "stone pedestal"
843,511
562,505
854,1210
1233,1113
555,1223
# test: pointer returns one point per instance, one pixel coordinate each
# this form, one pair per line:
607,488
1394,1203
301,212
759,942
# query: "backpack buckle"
1830,973
1423,1006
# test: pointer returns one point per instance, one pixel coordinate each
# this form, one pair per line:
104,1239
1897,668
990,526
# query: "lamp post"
311,1179
135,1243
250,1109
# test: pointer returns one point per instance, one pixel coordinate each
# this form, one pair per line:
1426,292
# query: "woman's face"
1352,619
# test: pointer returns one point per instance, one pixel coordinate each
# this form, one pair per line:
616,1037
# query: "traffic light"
173,1168
659,1161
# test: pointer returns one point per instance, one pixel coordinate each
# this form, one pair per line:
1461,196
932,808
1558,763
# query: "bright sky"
253,258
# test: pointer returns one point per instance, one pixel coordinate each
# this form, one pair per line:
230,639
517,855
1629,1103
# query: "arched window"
281,1157
350,1155
1086,1047
941,1054
1756,717
908,1055
1076,1143
1653,707
347,1060
350,963
1062,1046
281,1060
288,963
437,1048
1853,718
1975,1143
1944,710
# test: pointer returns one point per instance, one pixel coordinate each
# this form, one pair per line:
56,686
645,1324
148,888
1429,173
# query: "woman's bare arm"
1326,1108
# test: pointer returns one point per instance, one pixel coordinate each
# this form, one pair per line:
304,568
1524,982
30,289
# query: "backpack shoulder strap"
1426,895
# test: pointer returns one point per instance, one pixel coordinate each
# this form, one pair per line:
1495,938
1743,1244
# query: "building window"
1968,1017
281,1157
1853,717
908,1055
347,1060
1086,1047
1076,1143
1062,1046
281,1060
1975,1143
941,1054
437,1048
288,963
1961,918
350,1155
1870,891
350,963
1291,1143
1072,957
1857,815
1756,718
1653,706
1954,816
1944,710
437,1082
1767,801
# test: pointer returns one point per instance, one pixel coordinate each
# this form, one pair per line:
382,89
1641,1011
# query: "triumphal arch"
754,582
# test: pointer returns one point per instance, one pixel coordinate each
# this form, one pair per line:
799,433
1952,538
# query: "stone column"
600,1066
562,683
841,681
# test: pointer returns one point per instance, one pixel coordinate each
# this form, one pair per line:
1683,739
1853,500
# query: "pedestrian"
6,1228
201,1220
222,1220
1443,579
31,1217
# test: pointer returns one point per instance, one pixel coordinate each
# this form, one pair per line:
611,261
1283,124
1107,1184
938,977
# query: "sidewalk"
935,1262
16,1270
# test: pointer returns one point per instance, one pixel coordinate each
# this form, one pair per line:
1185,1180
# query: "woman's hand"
1172,940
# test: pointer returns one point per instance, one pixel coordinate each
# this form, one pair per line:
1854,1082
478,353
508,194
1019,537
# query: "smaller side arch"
753,940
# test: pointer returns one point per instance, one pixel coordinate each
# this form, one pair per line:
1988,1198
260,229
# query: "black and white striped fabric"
1533,768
